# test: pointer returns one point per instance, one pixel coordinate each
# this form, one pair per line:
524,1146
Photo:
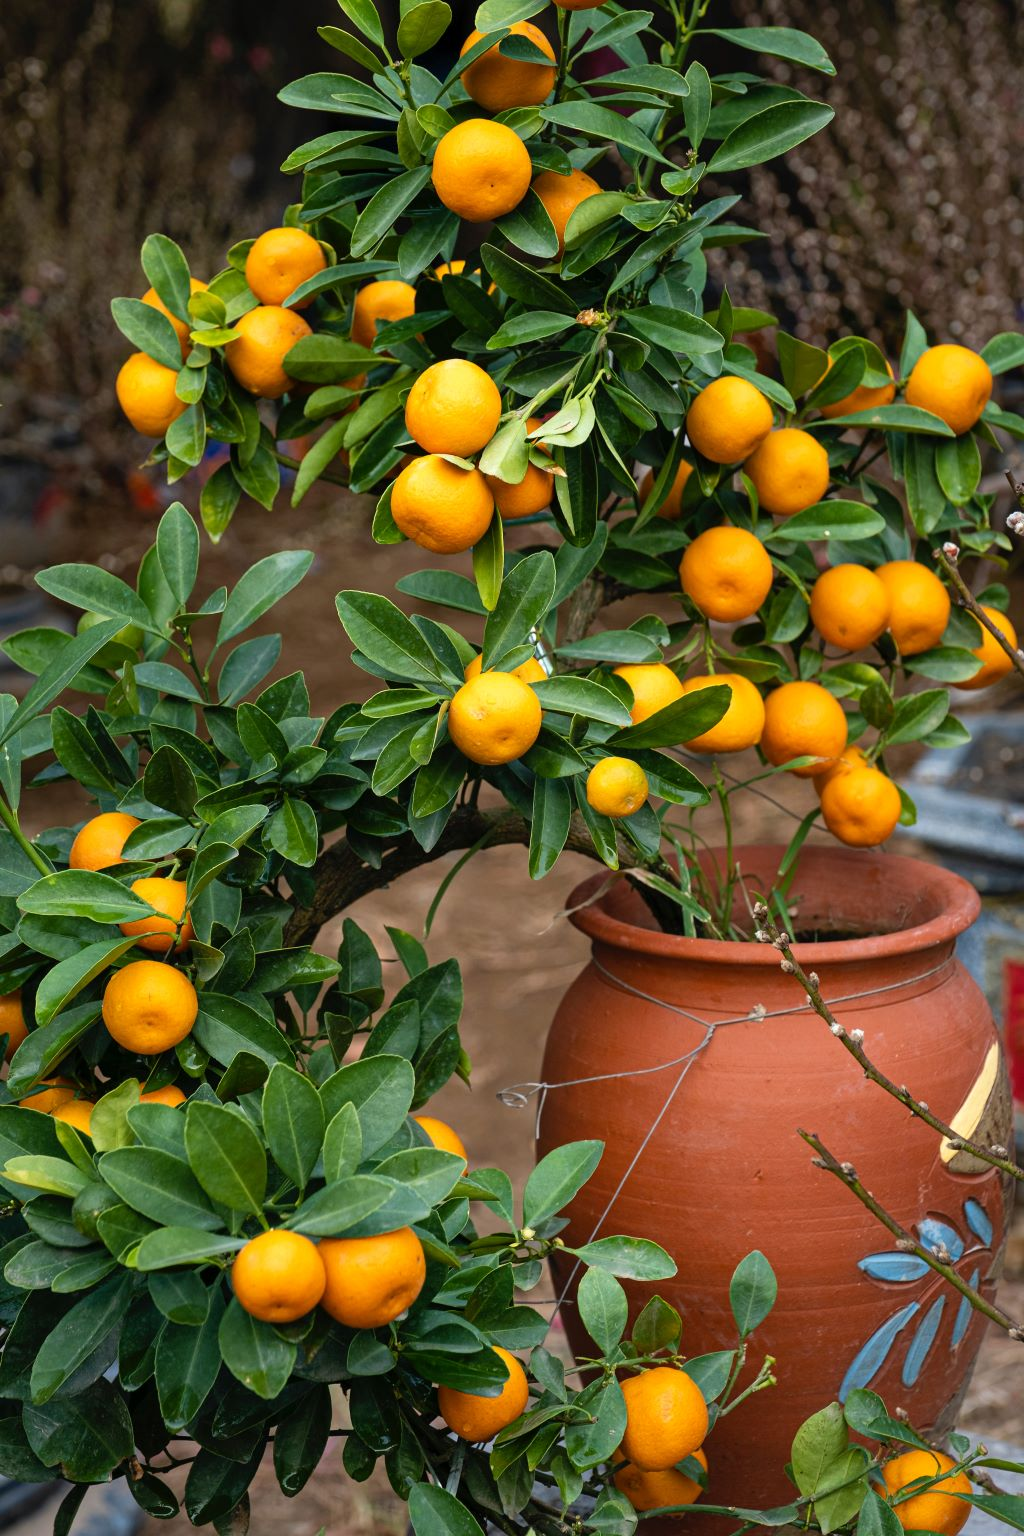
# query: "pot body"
725,1172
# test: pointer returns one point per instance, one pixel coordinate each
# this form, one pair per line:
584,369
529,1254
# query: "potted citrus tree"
489,305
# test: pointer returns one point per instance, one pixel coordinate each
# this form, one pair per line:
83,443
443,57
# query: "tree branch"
970,602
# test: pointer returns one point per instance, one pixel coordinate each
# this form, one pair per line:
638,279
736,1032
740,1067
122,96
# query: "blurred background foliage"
121,116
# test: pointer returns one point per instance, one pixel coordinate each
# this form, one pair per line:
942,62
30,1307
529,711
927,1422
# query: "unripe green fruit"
121,647
89,1206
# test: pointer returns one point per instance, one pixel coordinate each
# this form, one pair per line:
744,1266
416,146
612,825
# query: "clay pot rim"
957,900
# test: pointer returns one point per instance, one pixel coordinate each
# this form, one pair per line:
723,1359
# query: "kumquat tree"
489,306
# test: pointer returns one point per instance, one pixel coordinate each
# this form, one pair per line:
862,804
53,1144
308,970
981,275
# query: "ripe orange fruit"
741,725
863,398
76,1112
532,494
372,1280
149,1006
658,1490
728,419
54,1092
616,786
994,661
861,807
172,1096
530,671
99,843
494,718
849,758
497,83
936,1509
12,1021
849,606
802,720
672,507
789,471
453,407
919,605
181,327
442,1135
440,506
256,356
726,573
654,685
953,383
562,195
278,1276
279,260
145,392
666,1418
481,170
481,1418
157,933
386,299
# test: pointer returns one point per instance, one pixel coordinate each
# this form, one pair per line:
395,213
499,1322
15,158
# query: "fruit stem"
11,822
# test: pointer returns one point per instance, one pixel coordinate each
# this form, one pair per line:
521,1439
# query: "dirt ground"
517,953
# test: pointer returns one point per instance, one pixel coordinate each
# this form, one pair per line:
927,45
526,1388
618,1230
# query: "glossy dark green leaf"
293,1122
263,585
752,1292
148,330
226,1156
254,1352
557,1178
188,1362
87,1435
380,1087
158,1185
770,133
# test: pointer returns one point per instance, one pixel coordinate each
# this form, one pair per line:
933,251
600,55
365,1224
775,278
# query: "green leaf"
263,585
87,1435
421,27
158,1185
659,1327
177,550
83,893
434,1512
489,562
958,467
770,133
818,1443
602,123
301,1438
168,781
337,1208
387,205
342,1145
1004,351
917,715
188,1361
549,824
877,1517
427,1171
557,1179
522,329
844,520
58,673
148,330
227,1025
167,270
218,499
603,1308
380,1087
752,1292
172,1246
578,695
384,634
99,591
85,1339
522,282
688,717
351,46
631,1258
226,1156
522,605
780,42
254,1352
293,833
674,329
186,436
892,418
293,1122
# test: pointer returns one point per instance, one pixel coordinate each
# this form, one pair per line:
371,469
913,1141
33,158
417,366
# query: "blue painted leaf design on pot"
915,1327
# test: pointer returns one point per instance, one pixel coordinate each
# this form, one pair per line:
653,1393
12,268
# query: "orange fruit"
616,786
149,1006
440,506
530,671
481,170
99,843
158,933
386,299
741,725
672,507
76,1112
497,83
372,1280
666,1418
182,328
953,383
863,398
442,1135
172,1096
653,684
849,606
918,605
279,260
494,718
278,1276
849,758
54,1092
562,195
728,419
861,807
658,1490
934,1509
789,471
994,661
726,573
803,720
145,392
453,407
256,356
12,1021
481,1418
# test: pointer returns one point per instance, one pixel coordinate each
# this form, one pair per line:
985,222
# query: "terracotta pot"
725,1171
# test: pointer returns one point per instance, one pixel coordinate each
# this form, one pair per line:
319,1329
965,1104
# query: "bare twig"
970,602
847,1174
768,933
